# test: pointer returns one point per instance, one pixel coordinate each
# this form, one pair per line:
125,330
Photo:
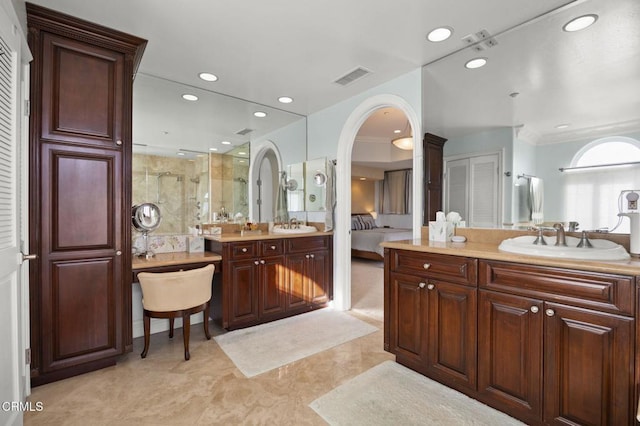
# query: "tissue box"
440,231
195,244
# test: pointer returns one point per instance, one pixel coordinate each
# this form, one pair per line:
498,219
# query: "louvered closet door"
13,376
483,190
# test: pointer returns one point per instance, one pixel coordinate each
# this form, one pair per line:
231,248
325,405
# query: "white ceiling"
262,50
265,49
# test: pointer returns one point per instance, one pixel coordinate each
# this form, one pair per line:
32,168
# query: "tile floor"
163,389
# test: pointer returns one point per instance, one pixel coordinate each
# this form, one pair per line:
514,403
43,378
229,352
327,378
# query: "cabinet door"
296,282
243,292
319,279
588,360
272,280
82,92
81,285
408,320
452,338
510,353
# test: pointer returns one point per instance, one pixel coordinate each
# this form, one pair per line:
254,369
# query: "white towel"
536,195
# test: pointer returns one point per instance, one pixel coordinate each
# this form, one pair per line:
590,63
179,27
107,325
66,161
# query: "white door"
472,188
14,289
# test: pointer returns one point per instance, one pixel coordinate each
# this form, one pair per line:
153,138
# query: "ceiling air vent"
352,76
244,131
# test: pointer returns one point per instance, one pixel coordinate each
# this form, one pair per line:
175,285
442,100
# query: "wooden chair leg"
147,333
171,321
206,322
186,329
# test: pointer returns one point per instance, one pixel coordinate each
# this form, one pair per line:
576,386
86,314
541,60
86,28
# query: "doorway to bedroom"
381,202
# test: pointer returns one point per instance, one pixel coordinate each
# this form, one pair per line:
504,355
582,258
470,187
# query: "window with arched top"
599,172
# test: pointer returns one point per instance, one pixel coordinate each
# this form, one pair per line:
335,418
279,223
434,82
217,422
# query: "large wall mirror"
545,96
192,158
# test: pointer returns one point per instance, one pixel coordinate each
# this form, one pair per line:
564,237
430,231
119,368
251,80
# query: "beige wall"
363,196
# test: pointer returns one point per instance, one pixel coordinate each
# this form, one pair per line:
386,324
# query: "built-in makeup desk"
171,262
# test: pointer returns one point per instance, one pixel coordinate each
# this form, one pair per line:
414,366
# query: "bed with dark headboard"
366,236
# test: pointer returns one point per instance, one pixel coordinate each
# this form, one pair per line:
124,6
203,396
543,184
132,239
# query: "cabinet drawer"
605,292
271,247
456,269
296,245
243,250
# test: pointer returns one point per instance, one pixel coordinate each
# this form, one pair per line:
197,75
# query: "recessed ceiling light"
189,97
260,114
439,34
225,143
242,153
397,131
285,99
580,23
207,76
363,178
476,63
181,153
562,126
213,149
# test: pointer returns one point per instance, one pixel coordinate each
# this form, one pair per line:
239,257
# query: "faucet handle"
584,241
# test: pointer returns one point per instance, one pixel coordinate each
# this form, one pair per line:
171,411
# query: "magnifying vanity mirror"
146,218
544,95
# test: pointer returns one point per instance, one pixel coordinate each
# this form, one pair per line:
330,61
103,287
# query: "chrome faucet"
293,223
560,238
540,237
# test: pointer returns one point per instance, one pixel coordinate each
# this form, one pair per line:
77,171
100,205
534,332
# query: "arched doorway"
342,240
263,175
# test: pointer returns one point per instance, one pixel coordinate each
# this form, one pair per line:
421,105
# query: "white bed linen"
370,239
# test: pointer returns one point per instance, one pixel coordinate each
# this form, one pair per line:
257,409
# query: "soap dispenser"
634,234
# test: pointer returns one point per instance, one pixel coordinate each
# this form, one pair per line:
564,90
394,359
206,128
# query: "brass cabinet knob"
421,285
119,143
273,247
426,266
244,249
262,262
255,262
431,286
534,309
550,312
118,253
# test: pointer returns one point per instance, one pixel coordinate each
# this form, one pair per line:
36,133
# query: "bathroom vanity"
545,340
271,276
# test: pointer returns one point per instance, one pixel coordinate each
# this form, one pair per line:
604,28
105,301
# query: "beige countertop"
176,258
489,251
235,237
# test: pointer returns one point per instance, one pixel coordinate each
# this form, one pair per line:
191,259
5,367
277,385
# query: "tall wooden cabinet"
80,193
432,146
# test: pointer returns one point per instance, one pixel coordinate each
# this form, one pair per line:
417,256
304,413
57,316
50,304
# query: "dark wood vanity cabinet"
553,345
432,311
264,280
80,193
556,345
432,146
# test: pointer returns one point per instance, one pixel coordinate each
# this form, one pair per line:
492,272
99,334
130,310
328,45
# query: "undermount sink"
601,250
301,229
